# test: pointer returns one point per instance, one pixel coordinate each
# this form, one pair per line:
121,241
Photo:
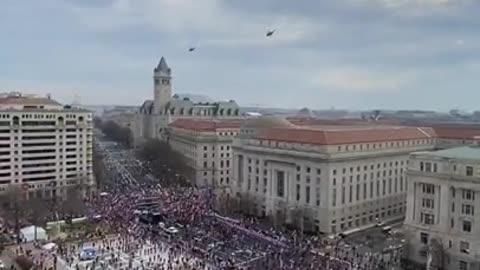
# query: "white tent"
49,246
28,233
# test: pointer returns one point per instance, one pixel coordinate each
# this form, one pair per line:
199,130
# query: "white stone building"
44,147
207,146
337,178
155,115
443,208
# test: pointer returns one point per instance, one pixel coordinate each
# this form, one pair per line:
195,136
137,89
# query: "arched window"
221,111
182,111
237,111
16,120
172,111
229,112
190,112
80,119
60,120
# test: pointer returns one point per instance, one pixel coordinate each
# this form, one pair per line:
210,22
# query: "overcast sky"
354,54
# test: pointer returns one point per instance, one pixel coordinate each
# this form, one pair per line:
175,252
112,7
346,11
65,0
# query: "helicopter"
270,32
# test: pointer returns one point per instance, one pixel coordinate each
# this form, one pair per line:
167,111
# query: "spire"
162,66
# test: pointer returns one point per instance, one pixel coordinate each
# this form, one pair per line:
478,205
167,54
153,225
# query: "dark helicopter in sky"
270,32
191,49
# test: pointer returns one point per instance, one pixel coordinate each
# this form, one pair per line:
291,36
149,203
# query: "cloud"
356,80
104,50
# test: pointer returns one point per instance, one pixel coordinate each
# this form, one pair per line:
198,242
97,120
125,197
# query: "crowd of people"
218,242
152,226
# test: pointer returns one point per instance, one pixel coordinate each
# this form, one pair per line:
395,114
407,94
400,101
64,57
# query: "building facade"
325,179
207,147
442,220
155,115
45,147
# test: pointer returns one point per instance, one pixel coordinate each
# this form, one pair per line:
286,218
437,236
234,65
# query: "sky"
346,54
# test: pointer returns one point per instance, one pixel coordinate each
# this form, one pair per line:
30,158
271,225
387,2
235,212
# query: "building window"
469,170
298,192
467,226
280,183
343,195
307,194
428,188
428,167
334,197
468,194
462,265
464,247
428,203
427,219
421,166
467,209
424,238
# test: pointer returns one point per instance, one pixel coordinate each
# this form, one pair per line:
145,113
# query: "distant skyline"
347,54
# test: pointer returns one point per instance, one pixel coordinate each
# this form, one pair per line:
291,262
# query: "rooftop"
25,100
205,125
350,135
265,122
457,131
464,152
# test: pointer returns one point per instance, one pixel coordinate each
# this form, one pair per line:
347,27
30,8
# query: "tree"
97,122
98,168
166,164
74,205
35,210
117,133
224,204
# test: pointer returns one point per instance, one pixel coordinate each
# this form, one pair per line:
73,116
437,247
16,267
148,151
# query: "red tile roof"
346,136
457,132
205,125
311,121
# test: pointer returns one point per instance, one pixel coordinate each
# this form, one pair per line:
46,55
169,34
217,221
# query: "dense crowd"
220,242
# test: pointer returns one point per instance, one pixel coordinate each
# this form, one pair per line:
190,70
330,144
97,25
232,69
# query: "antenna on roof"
49,96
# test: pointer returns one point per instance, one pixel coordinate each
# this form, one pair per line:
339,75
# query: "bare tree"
225,204
74,205
117,133
166,163
11,201
21,210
